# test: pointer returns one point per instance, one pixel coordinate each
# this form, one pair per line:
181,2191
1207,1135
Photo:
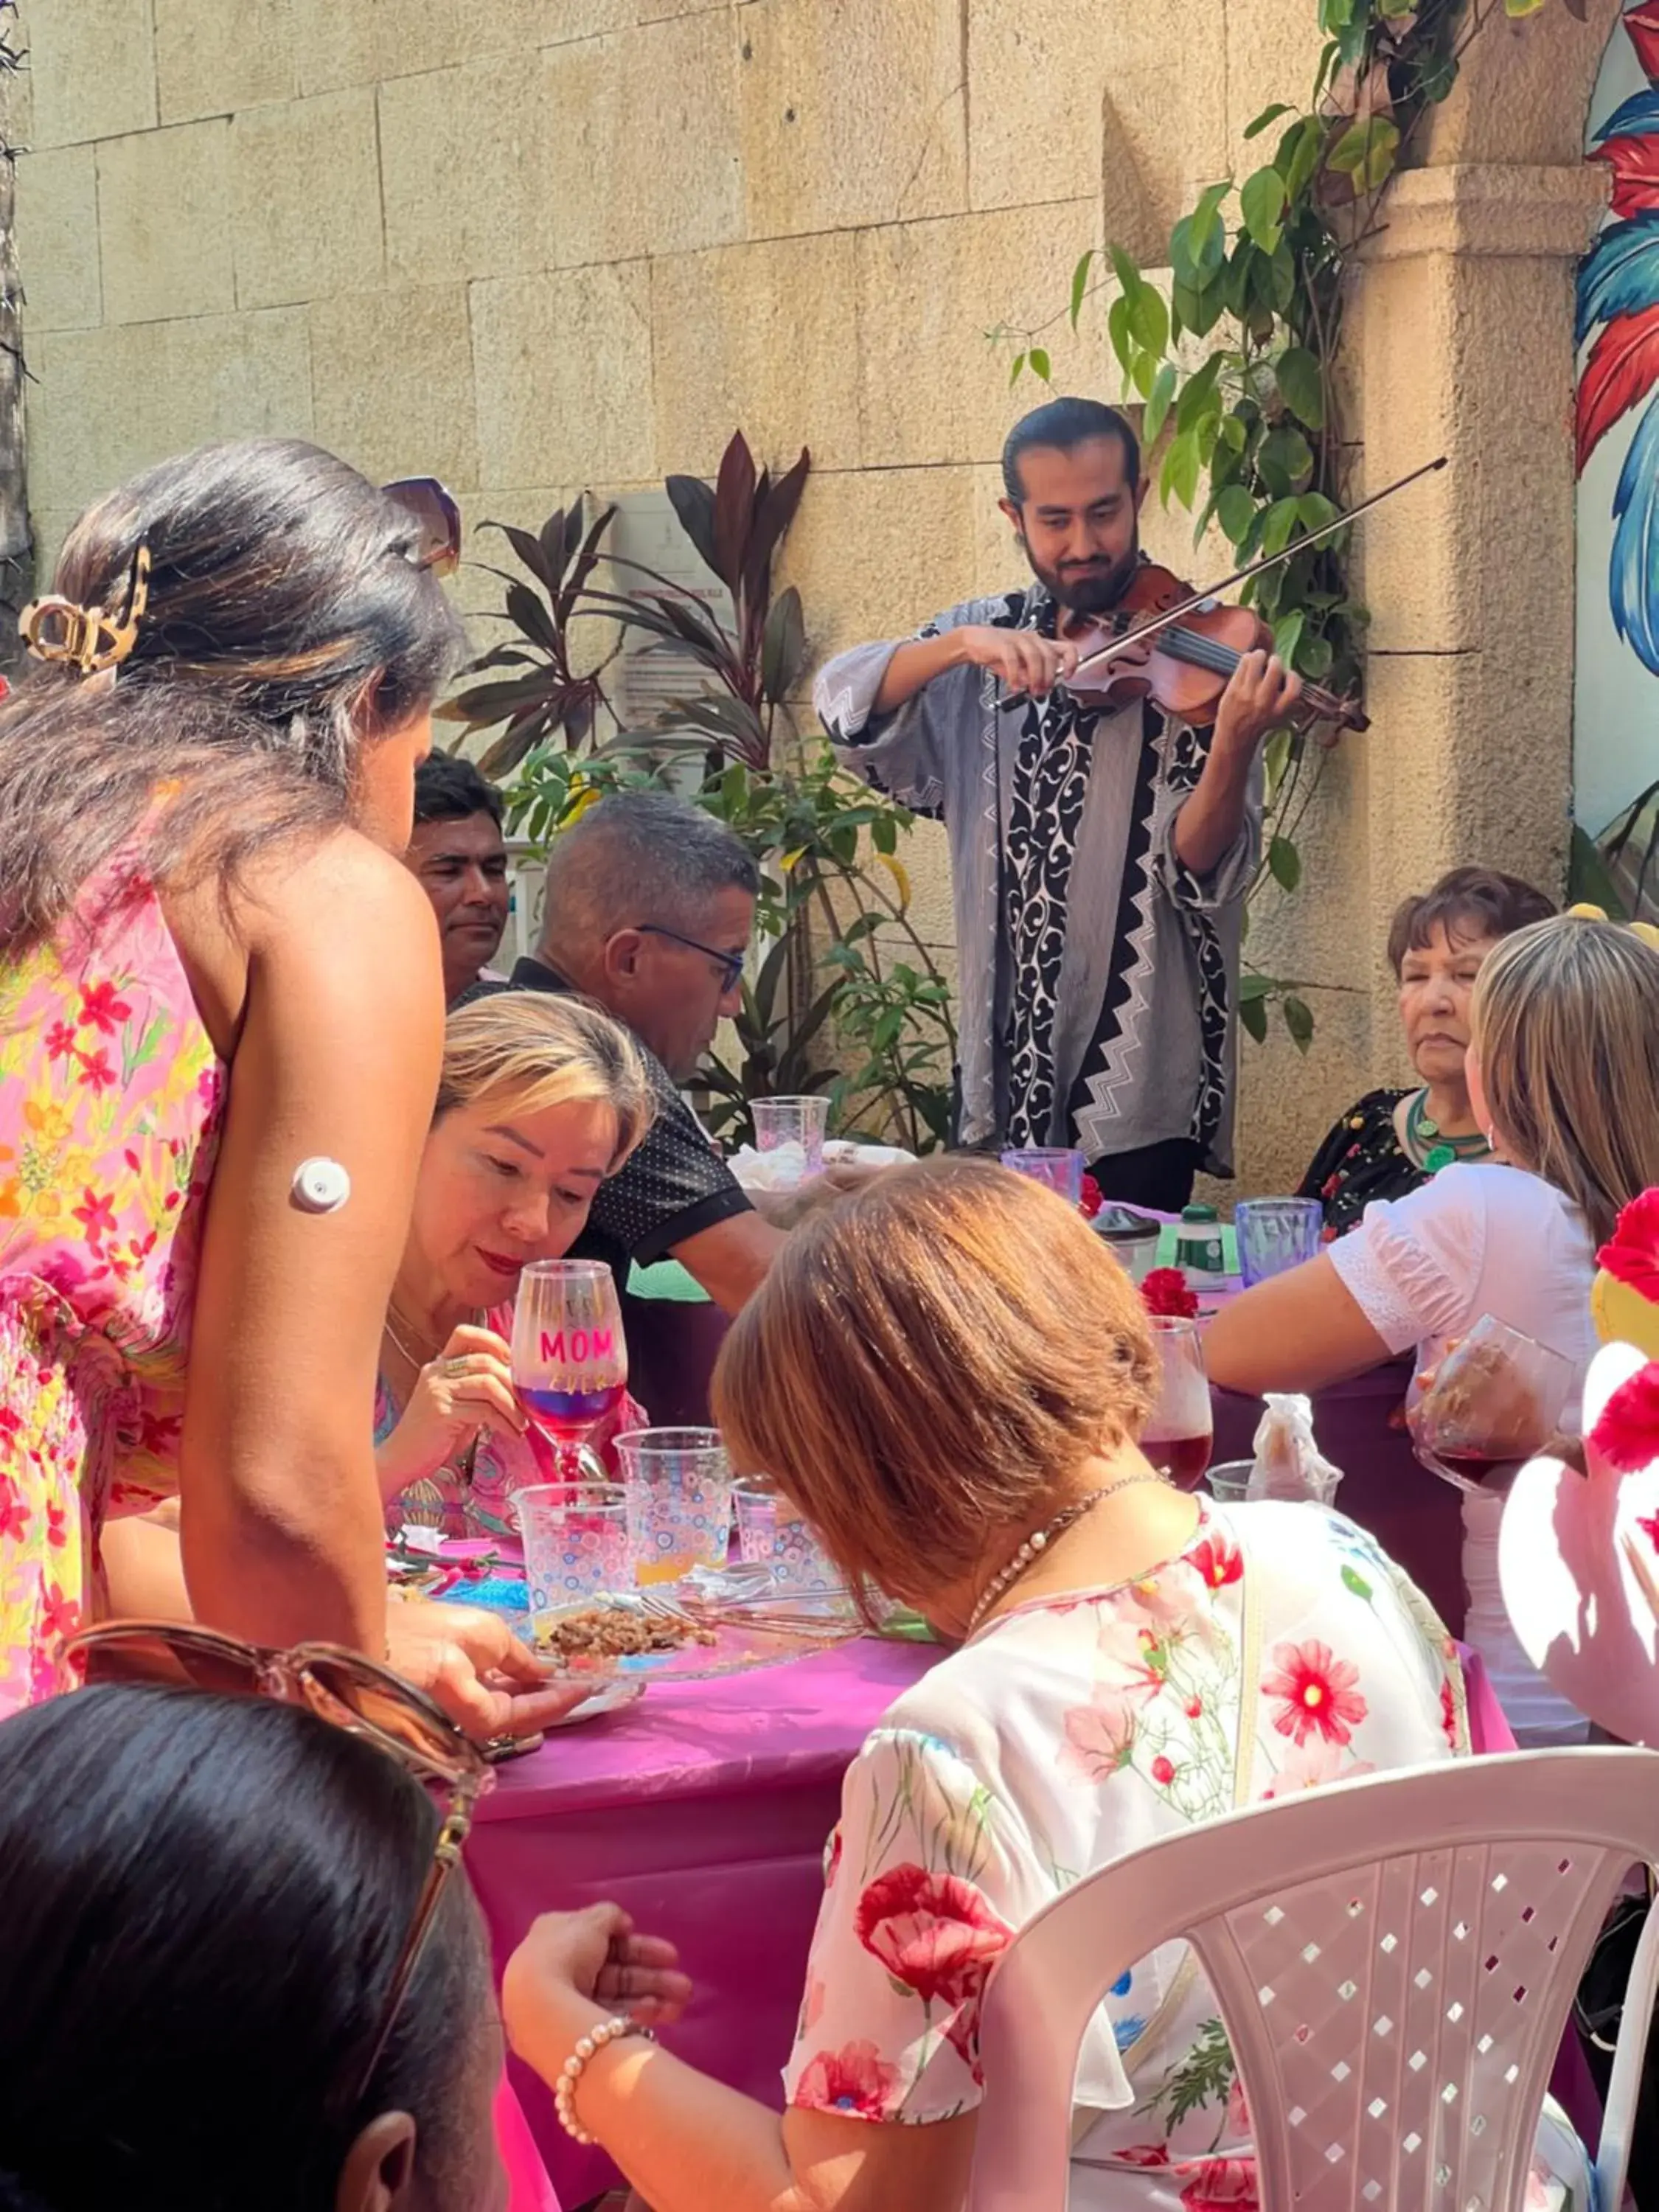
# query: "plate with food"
680,1632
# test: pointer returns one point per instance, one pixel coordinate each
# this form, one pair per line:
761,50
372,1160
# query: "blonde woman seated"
541,1099
1563,1071
948,1374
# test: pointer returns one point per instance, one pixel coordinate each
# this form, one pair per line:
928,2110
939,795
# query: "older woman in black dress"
1391,1141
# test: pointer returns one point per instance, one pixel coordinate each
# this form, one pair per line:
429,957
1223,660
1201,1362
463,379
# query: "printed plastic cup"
772,1533
1061,1168
794,1129
678,1483
575,1542
1275,1234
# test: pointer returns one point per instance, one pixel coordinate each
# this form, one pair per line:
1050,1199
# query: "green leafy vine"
1234,359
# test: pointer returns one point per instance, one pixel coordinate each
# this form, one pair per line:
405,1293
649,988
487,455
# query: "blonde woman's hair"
925,1364
542,1049
1566,1022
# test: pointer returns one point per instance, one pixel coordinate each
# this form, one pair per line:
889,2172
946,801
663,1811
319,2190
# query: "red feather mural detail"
1623,368
1643,24
1634,165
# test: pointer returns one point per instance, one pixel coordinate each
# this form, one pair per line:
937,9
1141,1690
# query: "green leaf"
1269,116
1080,284
1179,475
1299,1021
1198,397
1205,219
1143,375
883,835
1313,510
1284,863
1129,277
1235,510
1353,1580
1117,330
1299,155
1017,370
1287,635
1281,523
1253,985
1158,404
1303,387
1149,319
1313,658
1040,362
1253,1016
1366,150
1262,204
783,646
1286,461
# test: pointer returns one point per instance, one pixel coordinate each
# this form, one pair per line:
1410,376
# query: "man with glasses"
648,910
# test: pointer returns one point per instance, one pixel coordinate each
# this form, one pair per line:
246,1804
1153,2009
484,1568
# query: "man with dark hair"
457,850
648,910
1099,861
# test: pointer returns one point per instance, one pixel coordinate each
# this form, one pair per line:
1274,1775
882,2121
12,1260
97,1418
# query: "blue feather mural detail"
1635,118
1633,571
1620,275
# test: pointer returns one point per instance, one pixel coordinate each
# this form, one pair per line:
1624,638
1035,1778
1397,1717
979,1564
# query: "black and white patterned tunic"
1096,969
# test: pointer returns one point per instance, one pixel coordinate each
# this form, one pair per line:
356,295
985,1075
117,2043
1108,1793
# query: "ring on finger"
454,1365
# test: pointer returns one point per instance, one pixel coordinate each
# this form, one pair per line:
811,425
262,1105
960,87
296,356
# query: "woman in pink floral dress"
214,969
946,1368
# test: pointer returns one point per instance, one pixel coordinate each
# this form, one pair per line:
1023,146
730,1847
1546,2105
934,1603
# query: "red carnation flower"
1632,1256
933,1932
1165,1291
1089,1204
1627,1434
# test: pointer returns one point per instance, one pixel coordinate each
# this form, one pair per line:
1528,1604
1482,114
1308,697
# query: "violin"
1185,665
1180,646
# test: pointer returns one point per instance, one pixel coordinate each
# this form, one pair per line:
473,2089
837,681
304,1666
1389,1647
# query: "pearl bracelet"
564,2089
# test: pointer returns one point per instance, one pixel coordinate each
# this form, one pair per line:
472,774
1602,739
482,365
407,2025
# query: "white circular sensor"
320,1186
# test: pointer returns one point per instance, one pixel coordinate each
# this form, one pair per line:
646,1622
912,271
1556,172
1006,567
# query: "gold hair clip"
1644,930
90,639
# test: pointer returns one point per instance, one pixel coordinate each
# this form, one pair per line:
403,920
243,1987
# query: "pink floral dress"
109,1116
1070,1731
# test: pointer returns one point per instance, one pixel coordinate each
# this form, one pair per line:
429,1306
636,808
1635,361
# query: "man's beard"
1086,590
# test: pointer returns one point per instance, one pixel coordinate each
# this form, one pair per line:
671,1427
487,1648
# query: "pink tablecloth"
704,1811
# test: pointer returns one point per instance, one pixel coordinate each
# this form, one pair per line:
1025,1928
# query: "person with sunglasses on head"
239,1968
220,1012
649,909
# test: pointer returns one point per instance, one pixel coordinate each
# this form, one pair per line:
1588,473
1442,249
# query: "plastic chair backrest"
1395,1959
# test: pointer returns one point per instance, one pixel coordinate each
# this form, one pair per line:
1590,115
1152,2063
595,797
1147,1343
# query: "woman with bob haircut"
541,1099
948,1374
1563,1070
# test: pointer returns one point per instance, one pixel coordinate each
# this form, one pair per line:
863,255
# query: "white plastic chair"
1395,1959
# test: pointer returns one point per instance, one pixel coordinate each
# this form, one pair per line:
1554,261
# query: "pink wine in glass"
1181,1459
569,1414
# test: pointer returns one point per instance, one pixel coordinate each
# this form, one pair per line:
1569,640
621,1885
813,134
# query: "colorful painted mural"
1616,713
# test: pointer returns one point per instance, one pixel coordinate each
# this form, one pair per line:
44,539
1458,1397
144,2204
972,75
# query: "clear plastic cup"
771,1534
1276,1234
789,1128
1227,1482
679,1484
575,1542
1059,1167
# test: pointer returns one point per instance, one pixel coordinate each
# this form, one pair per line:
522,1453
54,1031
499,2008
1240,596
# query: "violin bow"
1138,636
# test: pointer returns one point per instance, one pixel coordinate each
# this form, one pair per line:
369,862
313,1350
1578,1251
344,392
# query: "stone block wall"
539,245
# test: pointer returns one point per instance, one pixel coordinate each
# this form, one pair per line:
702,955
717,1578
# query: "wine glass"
1494,1400
1179,1432
569,1356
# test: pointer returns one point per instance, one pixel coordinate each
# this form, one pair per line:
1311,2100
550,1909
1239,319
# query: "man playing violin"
1100,853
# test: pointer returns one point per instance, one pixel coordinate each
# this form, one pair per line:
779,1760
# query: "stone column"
1464,347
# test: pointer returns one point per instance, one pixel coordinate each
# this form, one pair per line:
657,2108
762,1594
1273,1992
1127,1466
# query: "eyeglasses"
437,520
341,1687
729,964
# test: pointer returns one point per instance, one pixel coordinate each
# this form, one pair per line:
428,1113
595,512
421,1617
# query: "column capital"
1487,209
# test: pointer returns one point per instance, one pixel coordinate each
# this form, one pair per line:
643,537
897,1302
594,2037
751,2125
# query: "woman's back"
109,1113
1281,1650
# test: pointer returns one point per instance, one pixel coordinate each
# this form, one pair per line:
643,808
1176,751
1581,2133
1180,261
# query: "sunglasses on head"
437,520
341,1687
